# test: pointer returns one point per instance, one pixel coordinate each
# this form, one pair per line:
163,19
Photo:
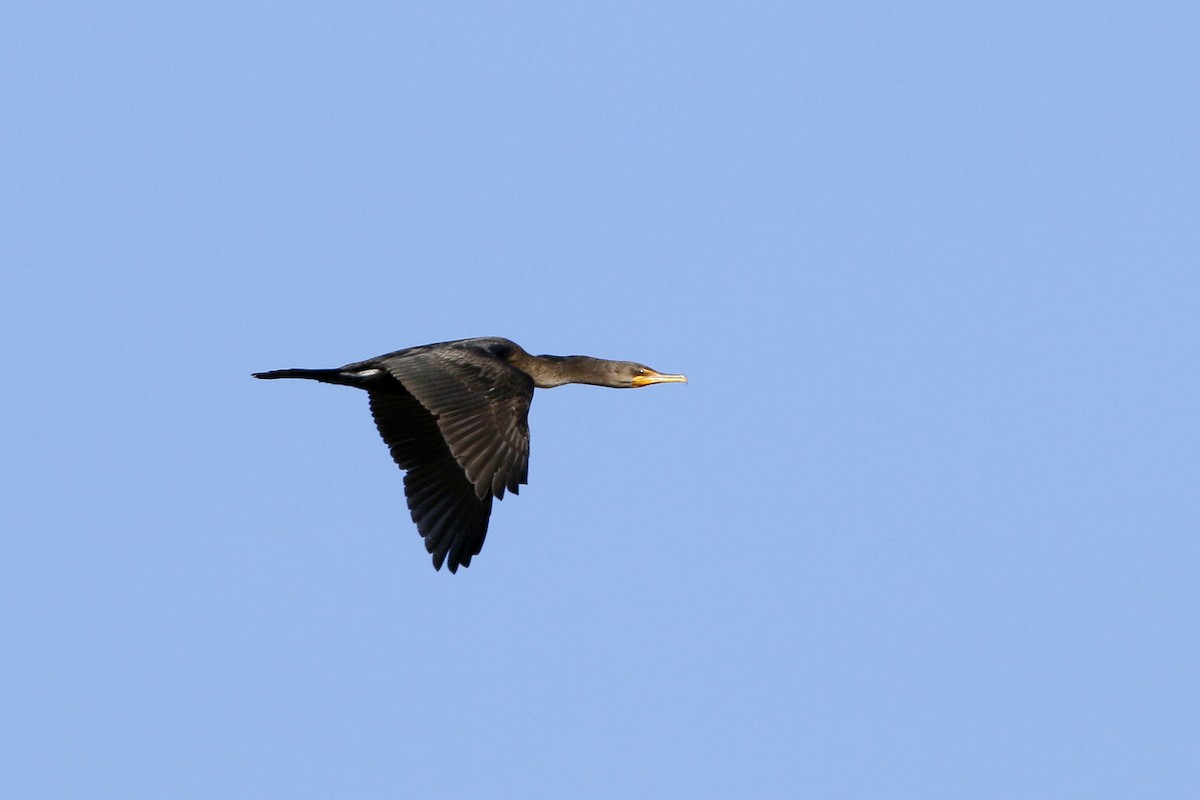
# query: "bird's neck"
550,371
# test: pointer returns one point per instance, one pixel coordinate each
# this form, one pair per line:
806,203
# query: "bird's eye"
641,371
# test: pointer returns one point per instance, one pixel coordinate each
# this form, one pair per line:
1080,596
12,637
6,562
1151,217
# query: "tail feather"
323,375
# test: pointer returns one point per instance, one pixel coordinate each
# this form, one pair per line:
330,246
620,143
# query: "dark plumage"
455,416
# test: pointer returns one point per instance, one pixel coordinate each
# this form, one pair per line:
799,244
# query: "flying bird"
455,416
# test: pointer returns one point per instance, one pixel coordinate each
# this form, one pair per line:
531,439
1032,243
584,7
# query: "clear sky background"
923,524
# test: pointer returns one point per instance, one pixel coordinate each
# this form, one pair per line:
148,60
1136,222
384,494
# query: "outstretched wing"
449,515
481,404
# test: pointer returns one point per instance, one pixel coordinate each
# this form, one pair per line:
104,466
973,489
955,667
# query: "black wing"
449,516
481,403
456,420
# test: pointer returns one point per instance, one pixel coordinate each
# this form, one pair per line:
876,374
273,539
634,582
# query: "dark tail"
322,375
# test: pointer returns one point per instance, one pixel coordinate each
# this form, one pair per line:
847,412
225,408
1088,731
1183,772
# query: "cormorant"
455,417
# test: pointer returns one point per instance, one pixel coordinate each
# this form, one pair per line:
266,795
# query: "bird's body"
455,417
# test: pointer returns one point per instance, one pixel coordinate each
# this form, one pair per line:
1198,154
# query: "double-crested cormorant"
455,416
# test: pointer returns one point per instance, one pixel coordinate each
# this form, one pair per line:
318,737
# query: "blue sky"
923,524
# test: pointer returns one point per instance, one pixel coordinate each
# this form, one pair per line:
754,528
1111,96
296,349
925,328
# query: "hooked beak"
656,377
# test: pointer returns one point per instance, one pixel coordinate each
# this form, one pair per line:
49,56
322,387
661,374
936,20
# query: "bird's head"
644,376
550,371
631,375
